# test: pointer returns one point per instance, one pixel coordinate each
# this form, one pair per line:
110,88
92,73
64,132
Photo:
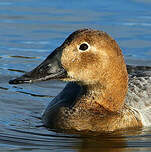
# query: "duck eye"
83,47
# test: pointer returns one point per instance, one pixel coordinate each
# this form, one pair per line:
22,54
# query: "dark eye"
83,47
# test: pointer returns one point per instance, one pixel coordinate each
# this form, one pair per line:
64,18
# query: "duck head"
91,58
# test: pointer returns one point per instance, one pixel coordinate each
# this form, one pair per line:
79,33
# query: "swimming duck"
101,96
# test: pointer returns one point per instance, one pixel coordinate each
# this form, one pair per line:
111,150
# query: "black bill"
50,68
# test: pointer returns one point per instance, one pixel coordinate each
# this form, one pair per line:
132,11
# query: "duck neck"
110,96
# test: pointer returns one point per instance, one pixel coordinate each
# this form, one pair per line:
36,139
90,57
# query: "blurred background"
29,31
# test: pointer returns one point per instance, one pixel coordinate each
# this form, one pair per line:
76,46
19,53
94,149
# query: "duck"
102,93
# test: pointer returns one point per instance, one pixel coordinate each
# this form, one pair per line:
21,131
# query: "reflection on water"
41,139
30,30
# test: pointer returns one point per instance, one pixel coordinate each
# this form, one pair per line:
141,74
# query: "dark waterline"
32,29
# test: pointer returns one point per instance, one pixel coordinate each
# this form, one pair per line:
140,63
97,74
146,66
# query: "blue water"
29,31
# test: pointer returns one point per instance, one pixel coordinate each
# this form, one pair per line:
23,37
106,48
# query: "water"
29,31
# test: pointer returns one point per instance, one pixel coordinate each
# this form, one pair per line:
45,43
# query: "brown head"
91,58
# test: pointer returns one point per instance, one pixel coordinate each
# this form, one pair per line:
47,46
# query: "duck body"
80,112
101,95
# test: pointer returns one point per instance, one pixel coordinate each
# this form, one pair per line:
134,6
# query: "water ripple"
25,57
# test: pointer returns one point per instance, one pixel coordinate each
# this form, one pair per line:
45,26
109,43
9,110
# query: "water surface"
29,31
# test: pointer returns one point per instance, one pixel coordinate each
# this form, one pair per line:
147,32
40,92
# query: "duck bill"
50,68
